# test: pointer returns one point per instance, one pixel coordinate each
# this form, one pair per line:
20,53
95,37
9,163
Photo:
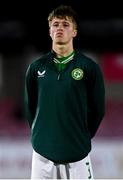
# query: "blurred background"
24,37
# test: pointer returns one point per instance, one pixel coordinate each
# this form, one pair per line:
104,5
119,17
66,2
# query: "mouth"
59,34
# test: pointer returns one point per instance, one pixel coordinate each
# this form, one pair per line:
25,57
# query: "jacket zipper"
58,77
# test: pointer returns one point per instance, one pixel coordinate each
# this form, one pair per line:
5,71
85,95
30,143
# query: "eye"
66,24
55,25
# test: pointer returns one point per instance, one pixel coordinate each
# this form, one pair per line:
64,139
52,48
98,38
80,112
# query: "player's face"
62,31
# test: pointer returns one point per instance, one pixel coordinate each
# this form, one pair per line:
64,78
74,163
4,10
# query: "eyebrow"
64,21
61,22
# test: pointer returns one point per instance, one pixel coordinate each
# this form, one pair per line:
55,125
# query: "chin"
60,42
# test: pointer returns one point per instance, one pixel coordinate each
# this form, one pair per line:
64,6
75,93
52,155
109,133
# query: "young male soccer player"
65,99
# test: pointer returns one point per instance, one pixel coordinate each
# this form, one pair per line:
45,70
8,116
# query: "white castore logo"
41,74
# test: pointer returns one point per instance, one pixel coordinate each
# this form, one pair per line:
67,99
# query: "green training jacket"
64,109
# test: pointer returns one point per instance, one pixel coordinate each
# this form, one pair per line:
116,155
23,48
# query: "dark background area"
23,23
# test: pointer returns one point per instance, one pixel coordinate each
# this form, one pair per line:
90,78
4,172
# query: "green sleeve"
96,99
30,97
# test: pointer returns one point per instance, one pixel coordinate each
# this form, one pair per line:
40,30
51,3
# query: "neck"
62,50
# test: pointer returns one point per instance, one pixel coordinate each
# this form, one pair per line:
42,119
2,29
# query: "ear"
49,32
75,33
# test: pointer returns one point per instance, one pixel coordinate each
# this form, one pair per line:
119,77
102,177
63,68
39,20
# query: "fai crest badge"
77,74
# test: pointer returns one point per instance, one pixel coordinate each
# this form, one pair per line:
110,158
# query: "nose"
60,26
